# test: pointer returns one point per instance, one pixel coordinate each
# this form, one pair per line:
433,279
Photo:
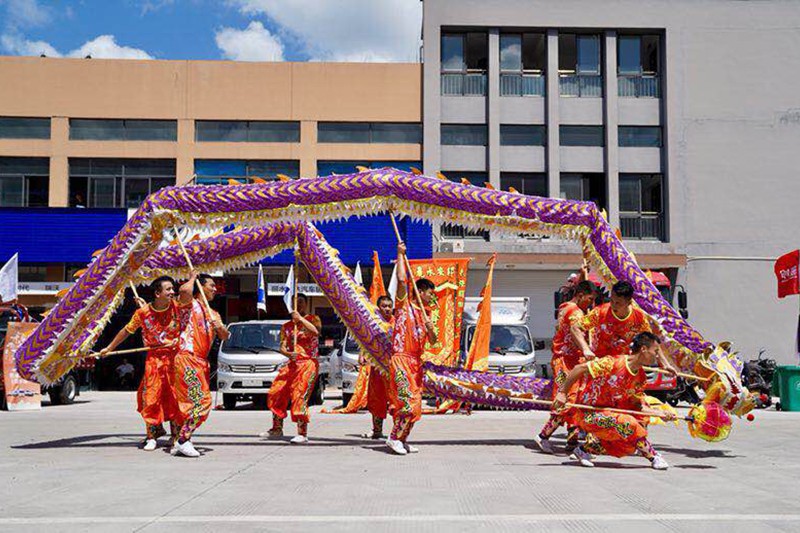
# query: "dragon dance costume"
295,381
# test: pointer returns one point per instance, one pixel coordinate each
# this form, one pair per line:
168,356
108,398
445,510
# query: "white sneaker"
150,445
409,448
396,446
187,449
583,457
299,439
544,444
174,449
659,463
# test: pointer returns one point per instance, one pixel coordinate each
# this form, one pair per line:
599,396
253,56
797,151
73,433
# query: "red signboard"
786,270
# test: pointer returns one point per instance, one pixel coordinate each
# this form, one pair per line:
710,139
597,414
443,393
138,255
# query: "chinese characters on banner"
450,278
786,270
21,394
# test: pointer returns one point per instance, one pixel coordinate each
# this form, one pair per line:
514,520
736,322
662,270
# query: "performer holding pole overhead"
192,373
295,381
412,328
161,326
615,382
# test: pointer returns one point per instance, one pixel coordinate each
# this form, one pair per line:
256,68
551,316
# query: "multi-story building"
679,118
83,142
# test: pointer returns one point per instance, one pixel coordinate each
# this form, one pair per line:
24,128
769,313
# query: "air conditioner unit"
456,246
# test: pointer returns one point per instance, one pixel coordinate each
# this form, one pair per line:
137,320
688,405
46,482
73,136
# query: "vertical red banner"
787,270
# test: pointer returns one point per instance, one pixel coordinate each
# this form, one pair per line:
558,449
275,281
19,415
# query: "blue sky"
243,30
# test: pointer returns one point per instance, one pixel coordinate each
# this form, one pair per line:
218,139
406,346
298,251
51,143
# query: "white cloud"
20,46
102,47
26,13
106,47
151,6
254,43
347,30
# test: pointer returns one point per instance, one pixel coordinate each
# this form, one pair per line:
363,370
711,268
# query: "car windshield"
254,337
350,345
506,339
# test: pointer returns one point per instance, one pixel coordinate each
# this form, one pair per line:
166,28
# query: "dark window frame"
631,219
373,132
125,129
121,180
626,137
293,130
36,123
537,130
443,134
13,169
521,178
573,128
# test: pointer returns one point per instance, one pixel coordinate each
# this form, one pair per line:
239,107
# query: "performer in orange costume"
613,325
566,355
378,388
615,382
192,379
411,329
295,381
161,325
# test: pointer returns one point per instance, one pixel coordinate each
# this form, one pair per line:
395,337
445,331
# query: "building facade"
83,142
679,118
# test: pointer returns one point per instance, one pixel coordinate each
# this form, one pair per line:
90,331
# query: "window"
247,131
24,181
523,59
642,136
530,183
579,65
369,132
641,206
81,129
464,134
219,171
638,65
24,128
464,61
584,187
455,231
326,168
522,135
581,136
117,182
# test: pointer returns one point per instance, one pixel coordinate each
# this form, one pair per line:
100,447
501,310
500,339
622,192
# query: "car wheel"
65,392
229,401
346,397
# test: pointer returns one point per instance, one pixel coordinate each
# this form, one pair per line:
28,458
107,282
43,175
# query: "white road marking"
177,519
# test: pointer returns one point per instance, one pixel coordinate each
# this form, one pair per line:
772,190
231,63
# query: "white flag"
262,290
358,276
288,290
9,277
393,284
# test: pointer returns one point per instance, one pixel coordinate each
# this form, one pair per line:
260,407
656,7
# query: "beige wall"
201,90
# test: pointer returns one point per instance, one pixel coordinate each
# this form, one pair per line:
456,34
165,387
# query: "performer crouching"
295,381
411,329
615,382
192,379
161,327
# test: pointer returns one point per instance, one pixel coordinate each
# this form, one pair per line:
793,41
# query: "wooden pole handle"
189,265
681,374
407,265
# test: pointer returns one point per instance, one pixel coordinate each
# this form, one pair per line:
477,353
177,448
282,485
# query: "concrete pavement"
78,468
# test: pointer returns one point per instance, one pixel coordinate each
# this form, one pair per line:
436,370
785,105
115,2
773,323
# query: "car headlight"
223,367
527,369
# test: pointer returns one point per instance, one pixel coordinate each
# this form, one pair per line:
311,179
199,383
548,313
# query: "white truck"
511,349
249,362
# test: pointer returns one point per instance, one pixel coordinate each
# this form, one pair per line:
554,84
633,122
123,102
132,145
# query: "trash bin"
786,385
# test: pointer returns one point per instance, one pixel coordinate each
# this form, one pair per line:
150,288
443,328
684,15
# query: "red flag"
376,288
786,270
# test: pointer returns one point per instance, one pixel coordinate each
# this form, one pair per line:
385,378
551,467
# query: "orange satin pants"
405,389
294,384
193,392
155,398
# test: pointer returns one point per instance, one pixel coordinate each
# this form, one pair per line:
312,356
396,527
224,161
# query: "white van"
348,359
511,349
249,362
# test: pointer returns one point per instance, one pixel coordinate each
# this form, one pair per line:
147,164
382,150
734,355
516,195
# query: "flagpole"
294,293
